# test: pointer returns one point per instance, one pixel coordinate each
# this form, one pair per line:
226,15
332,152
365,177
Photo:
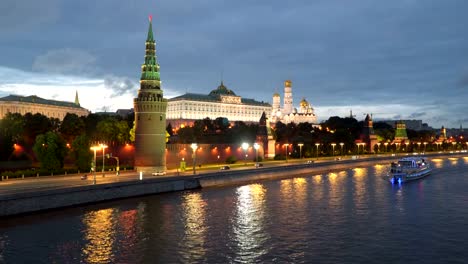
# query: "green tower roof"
150,69
150,30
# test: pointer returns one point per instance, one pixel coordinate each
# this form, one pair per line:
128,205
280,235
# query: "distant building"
287,114
410,124
368,137
220,102
400,133
34,104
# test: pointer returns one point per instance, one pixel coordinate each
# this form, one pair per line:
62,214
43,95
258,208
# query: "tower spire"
77,101
150,78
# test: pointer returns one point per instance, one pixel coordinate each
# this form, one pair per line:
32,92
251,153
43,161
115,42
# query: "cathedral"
288,114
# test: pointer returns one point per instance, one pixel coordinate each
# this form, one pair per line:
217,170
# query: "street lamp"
425,143
94,148
341,151
317,145
333,149
194,147
103,146
407,143
300,149
386,146
245,147
378,147
419,146
256,147
286,145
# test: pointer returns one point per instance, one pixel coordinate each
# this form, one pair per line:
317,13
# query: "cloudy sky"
399,59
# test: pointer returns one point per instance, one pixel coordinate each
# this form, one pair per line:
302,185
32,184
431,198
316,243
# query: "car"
309,162
158,173
257,165
84,177
225,167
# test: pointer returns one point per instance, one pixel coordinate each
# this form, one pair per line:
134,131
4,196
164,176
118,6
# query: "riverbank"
34,201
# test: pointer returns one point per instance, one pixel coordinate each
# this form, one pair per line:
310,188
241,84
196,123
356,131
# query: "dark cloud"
67,61
418,115
120,86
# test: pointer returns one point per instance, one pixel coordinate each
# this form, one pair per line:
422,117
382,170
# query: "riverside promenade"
29,195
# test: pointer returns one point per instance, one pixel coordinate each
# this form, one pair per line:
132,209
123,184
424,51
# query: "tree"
81,150
50,150
71,127
35,125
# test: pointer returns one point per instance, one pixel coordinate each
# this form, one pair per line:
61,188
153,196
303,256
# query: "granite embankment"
20,203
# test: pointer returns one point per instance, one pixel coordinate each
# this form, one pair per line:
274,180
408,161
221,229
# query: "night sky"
399,59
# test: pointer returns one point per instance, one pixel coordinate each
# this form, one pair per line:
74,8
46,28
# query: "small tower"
368,135
400,133
288,97
150,114
77,101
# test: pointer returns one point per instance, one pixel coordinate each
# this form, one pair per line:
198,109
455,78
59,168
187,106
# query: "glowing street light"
317,145
300,149
341,151
406,143
94,148
419,146
256,147
194,147
245,147
386,146
333,148
378,147
286,145
425,143
103,146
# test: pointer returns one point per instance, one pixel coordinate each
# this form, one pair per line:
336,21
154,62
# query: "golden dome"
287,83
304,103
276,95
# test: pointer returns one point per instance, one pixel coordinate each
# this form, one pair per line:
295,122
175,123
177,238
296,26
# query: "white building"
288,114
221,102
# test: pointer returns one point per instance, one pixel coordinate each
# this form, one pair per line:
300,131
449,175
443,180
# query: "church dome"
222,90
304,103
276,95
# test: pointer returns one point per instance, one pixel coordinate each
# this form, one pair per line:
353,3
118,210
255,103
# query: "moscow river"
351,216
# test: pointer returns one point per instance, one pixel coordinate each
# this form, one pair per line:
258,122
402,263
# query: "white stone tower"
288,99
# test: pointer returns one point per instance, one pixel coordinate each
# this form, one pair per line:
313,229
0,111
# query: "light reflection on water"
99,236
194,209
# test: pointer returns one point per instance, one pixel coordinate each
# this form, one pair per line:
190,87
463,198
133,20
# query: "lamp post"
245,147
378,147
333,148
406,143
419,146
341,151
194,147
317,145
300,149
94,148
103,146
286,145
425,143
386,147
256,147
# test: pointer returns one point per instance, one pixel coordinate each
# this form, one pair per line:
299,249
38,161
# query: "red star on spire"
150,18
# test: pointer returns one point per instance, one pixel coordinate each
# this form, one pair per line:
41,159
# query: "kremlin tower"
150,114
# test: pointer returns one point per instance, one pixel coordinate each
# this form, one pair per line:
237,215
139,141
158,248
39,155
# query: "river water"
351,216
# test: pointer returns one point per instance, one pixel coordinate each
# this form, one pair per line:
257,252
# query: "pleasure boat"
408,169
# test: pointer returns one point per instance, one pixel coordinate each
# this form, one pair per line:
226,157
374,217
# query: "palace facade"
34,104
183,110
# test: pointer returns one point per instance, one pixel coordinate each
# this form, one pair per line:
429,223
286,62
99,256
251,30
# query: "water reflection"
380,169
453,161
465,159
3,242
437,163
300,191
99,236
130,225
360,190
249,225
194,209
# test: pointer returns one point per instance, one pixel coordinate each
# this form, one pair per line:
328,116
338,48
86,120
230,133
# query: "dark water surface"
352,216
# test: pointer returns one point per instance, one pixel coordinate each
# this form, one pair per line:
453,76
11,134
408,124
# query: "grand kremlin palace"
33,104
183,110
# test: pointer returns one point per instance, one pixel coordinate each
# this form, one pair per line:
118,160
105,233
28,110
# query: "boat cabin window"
407,163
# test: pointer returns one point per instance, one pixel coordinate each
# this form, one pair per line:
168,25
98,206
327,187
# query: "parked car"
158,173
258,165
309,162
225,167
84,177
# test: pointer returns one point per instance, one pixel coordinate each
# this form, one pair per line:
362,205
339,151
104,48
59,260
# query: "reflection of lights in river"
249,223
453,161
360,172
380,169
465,159
100,235
437,163
195,225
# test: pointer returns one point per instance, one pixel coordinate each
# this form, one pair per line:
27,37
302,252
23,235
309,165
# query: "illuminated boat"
408,169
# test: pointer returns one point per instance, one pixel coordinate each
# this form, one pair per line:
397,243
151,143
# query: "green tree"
35,125
81,150
110,129
50,150
71,127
